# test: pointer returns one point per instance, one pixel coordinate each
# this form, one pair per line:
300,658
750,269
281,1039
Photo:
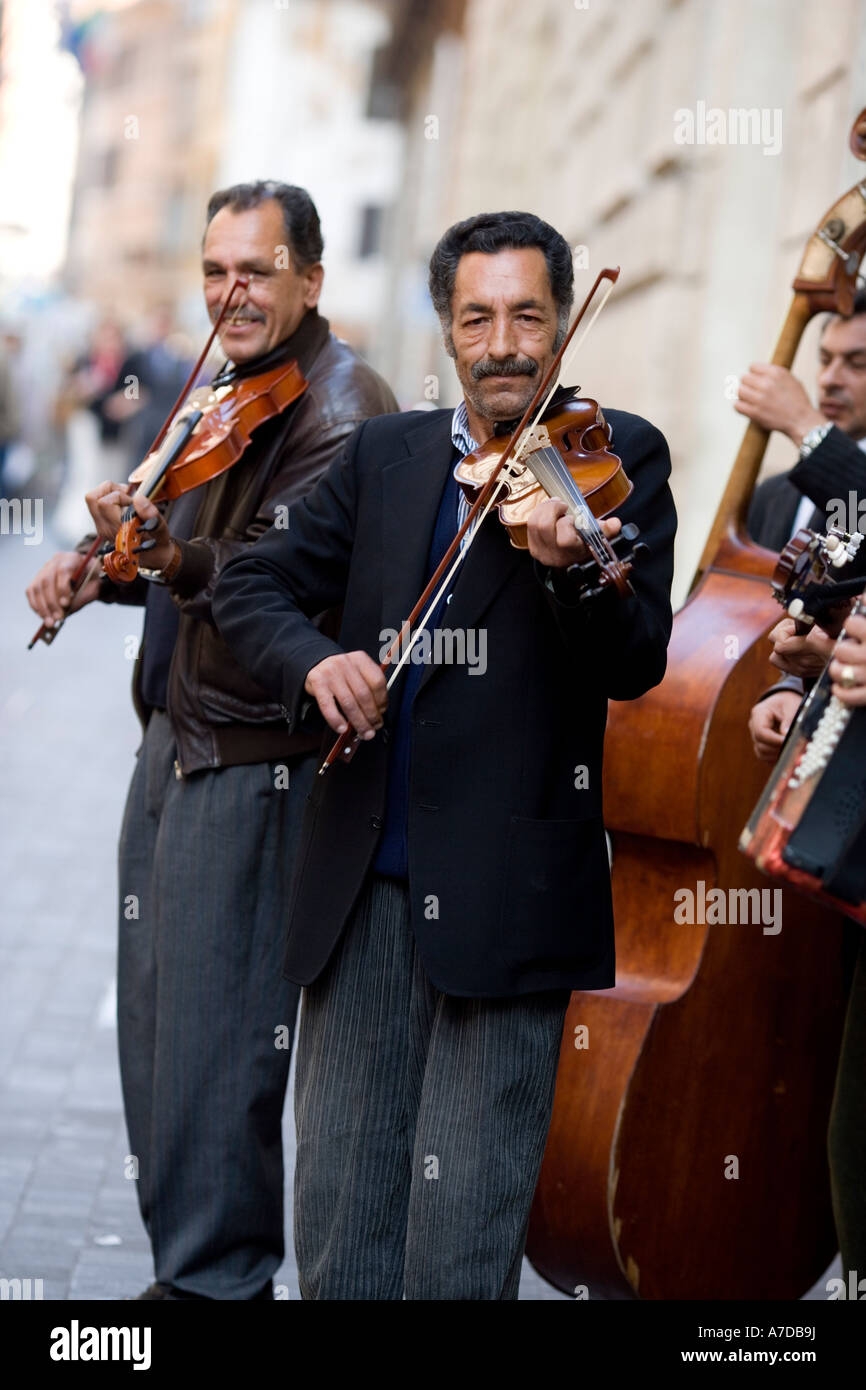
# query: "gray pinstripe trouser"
421,1121
205,864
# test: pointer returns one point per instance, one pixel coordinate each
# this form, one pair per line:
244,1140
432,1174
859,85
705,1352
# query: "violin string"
548,467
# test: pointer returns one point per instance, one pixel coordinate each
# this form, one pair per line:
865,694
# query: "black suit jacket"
772,510
509,879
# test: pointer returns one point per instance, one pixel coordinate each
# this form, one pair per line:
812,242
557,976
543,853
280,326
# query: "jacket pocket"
556,900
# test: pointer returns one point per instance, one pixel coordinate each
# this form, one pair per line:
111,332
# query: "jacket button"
376,822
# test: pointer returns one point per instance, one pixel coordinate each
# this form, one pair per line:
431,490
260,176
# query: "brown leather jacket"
219,715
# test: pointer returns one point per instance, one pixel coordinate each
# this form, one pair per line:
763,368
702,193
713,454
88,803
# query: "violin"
566,455
203,435
207,438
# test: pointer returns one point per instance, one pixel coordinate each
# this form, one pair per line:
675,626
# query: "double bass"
686,1157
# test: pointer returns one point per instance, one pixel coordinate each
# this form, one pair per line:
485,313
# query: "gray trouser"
205,1019
421,1122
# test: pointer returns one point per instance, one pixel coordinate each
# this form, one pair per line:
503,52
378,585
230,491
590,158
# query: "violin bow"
346,745
48,631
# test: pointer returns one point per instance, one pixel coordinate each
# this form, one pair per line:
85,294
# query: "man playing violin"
205,1022
452,886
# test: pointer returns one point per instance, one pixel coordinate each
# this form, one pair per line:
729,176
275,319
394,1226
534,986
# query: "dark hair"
497,231
858,308
300,218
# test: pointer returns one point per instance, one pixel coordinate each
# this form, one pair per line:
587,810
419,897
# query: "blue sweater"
392,856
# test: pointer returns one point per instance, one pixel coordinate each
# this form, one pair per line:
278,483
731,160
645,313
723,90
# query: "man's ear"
313,278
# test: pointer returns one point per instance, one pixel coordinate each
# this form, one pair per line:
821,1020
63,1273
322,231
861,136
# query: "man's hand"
770,721
848,667
552,539
776,400
349,687
50,592
106,504
799,656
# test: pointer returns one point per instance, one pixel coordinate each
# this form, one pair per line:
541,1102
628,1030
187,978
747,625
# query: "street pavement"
68,734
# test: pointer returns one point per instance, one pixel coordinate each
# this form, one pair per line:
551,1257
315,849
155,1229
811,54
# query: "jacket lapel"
490,562
411,492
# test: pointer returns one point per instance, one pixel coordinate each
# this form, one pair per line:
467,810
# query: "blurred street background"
117,121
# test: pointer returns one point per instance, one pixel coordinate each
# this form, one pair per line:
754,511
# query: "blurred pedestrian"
94,445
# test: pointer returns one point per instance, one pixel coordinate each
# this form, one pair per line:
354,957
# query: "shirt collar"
460,435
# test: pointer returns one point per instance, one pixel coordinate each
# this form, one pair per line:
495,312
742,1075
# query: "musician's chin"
506,397
242,342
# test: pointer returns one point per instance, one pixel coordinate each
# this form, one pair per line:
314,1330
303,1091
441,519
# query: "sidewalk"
68,733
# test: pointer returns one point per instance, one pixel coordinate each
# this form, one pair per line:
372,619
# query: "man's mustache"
509,366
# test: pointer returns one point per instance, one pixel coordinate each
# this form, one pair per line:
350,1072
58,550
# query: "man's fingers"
363,711
353,710
330,713
349,689
49,592
373,678
144,507
782,631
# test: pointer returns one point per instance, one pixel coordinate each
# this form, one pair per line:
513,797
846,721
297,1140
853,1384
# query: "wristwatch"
813,438
167,573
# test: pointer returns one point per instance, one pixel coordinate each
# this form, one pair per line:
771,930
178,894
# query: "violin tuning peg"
145,545
149,525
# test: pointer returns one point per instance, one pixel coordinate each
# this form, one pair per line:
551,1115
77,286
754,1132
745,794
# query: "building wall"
298,110
151,133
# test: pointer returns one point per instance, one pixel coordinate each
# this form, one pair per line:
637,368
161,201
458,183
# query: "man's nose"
503,338
831,373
